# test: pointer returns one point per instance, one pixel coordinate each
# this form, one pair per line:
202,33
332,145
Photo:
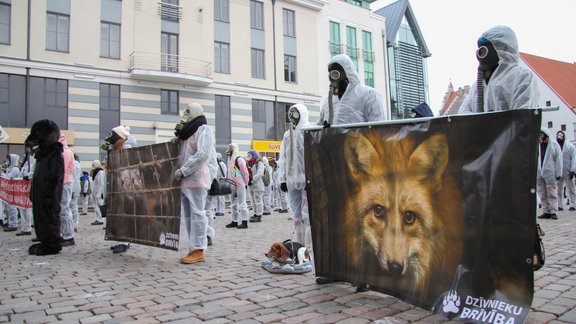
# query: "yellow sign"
266,146
18,135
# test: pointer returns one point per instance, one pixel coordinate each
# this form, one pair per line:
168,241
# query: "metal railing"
352,52
169,11
170,63
368,56
334,48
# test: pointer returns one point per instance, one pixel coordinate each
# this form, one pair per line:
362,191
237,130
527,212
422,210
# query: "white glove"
178,175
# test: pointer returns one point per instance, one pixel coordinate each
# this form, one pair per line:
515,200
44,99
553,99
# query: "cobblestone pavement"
87,283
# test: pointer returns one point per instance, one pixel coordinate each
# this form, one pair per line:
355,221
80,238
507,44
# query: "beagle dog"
288,252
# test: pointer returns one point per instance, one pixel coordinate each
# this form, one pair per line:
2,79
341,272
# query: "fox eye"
380,211
409,217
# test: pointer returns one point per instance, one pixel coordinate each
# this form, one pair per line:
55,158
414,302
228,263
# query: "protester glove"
572,174
26,177
178,175
284,187
326,124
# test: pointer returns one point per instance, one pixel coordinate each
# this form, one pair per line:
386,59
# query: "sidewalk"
87,283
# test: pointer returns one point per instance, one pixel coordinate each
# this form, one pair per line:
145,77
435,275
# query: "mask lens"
334,75
482,52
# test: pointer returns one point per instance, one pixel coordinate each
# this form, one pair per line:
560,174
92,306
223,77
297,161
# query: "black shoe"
219,214
43,249
120,248
10,229
243,225
21,233
35,240
68,242
283,211
545,216
572,209
553,216
362,288
255,219
266,213
560,208
232,225
324,280
96,223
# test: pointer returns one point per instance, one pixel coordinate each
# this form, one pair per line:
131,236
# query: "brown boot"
193,257
186,256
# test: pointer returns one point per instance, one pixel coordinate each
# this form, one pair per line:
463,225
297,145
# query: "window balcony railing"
162,66
335,48
368,56
169,11
352,52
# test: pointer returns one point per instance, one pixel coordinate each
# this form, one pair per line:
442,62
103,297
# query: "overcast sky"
451,28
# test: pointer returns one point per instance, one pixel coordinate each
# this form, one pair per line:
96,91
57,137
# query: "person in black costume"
47,185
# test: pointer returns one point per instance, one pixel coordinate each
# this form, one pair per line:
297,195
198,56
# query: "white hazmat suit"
511,86
360,103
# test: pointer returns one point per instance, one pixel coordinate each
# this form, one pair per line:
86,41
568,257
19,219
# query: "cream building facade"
92,65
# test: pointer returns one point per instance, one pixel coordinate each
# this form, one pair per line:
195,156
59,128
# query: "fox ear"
429,160
359,154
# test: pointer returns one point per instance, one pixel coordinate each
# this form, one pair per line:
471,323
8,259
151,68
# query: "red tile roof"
559,76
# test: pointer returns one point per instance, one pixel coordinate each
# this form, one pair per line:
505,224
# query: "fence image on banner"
143,199
440,213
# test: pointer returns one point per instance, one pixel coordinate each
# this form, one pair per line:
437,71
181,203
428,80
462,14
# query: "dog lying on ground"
288,252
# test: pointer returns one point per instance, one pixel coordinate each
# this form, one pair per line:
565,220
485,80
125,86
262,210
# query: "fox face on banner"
403,207
440,213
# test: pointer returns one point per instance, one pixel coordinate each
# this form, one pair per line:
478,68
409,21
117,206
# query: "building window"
221,57
169,10
335,45
12,94
289,22
4,23
221,10
289,68
256,15
109,40
222,117
169,102
258,63
368,57
109,110
263,126
563,128
48,99
110,97
169,52
548,103
352,47
550,124
57,32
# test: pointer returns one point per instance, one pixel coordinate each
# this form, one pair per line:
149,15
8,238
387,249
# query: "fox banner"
143,199
15,192
438,212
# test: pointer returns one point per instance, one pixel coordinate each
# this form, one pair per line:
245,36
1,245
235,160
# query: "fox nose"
395,269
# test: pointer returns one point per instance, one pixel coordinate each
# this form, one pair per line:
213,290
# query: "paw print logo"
162,239
451,302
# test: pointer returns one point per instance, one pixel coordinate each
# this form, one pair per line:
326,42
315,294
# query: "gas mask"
109,141
294,116
179,127
230,150
487,57
338,79
560,137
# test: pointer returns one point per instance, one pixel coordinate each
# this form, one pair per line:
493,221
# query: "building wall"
141,27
